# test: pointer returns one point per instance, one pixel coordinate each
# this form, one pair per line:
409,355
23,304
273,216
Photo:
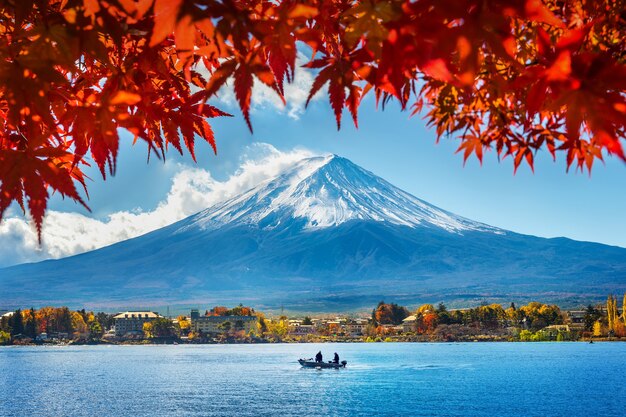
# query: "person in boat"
336,358
318,357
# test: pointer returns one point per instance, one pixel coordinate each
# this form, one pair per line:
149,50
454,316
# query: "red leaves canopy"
516,75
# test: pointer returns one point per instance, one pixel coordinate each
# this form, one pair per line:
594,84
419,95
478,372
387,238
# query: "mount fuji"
324,235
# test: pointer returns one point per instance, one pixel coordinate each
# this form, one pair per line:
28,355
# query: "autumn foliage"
515,76
239,310
389,313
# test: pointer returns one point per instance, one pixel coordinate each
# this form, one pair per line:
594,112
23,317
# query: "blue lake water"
419,379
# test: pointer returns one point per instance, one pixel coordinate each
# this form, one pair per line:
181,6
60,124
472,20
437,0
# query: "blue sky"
144,196
402,150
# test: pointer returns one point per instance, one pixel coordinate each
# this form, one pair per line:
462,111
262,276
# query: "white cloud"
193,189
264,97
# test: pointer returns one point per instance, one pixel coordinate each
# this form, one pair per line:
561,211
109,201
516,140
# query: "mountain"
323,235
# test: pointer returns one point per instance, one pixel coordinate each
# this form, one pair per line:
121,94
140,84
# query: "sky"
146,195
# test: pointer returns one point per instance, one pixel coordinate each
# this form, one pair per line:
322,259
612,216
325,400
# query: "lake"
386,379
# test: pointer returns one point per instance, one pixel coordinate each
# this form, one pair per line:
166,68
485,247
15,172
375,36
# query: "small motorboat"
310,363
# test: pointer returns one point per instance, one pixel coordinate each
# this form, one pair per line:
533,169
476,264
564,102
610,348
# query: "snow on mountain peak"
326,191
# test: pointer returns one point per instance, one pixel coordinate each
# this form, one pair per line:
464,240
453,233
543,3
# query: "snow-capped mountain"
327,191
325,234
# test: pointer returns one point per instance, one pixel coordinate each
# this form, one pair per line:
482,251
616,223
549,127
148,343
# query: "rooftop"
137,314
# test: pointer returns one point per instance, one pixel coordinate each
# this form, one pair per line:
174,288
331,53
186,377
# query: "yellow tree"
611,312
183,323
512,313
425,308
624,309
597,328
147,330
78,324
277,327
261,323
45,316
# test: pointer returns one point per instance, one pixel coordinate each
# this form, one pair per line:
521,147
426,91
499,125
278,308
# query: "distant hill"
323,235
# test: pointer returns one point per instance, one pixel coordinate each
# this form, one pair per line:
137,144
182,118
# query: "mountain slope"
325,234
328,191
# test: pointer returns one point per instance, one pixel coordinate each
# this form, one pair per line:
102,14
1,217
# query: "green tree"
592,315
225,326
95,330
17,325
105,320
443,315
163,327
525,335
5,337
63,320
307,321
5,324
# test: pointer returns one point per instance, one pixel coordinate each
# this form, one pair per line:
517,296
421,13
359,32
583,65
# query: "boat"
310,363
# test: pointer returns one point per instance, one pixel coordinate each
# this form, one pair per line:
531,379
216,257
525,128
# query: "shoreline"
283,342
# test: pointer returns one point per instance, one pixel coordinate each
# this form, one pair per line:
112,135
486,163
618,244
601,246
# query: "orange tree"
516,75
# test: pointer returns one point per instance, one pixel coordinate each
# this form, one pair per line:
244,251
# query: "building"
131,322
576,319
552,332
409,323
217,324
333,327
356,327
302,330
392,328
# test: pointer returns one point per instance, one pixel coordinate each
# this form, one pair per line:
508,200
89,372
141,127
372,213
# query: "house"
356,327
576,319
131,322
409,323
296,328
392,328
302,330
218,324
552,332
334,327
